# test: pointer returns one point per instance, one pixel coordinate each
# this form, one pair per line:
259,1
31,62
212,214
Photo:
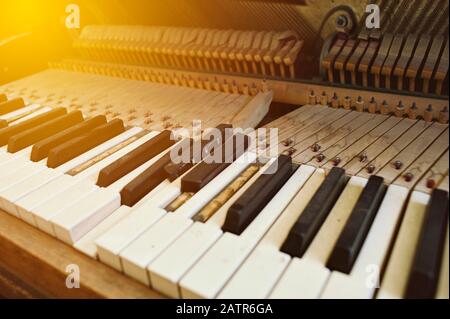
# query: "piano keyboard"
355,205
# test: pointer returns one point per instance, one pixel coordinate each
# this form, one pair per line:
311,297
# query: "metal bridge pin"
398,164
336,161
320,158
371,169
431,183
362,157
315,147
408,177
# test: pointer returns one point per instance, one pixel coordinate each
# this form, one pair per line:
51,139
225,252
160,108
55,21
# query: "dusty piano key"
46,190
11,105
204,172
395,278
144,183
15,115
362,281
247,207
134,159
40,150
423,278
136,257
7,132
87,161
357,227
260,271
70,150
218,265
87,243
306,227
443,284
38,133
178,258
80,217
121,235
305,277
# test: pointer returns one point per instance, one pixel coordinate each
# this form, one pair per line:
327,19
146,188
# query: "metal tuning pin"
373,105
428,114
399,109
359,104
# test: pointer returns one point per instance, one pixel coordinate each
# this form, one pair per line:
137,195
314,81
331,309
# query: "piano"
317,162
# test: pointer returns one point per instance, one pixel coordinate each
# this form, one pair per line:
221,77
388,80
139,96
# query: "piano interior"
317,137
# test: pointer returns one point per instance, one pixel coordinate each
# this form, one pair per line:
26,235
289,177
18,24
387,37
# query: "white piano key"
27,185
99,149
140,219
17,176
303,279
395,278
149,245
260,272
44,213
343,286
264,262
110,244
19,112
32,115
72,223
207,193
87,243
167,270
139,254
78,219
211,273
23,205
26,204
5,156
93,171
364,276
12,166
12,194
442,288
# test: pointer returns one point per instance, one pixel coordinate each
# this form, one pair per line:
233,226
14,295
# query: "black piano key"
11,105
164,169
41,149
74,148
256,197
358,225
425,270
138,188
38,133
175,170
315,213
135,158
7,132
204,172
